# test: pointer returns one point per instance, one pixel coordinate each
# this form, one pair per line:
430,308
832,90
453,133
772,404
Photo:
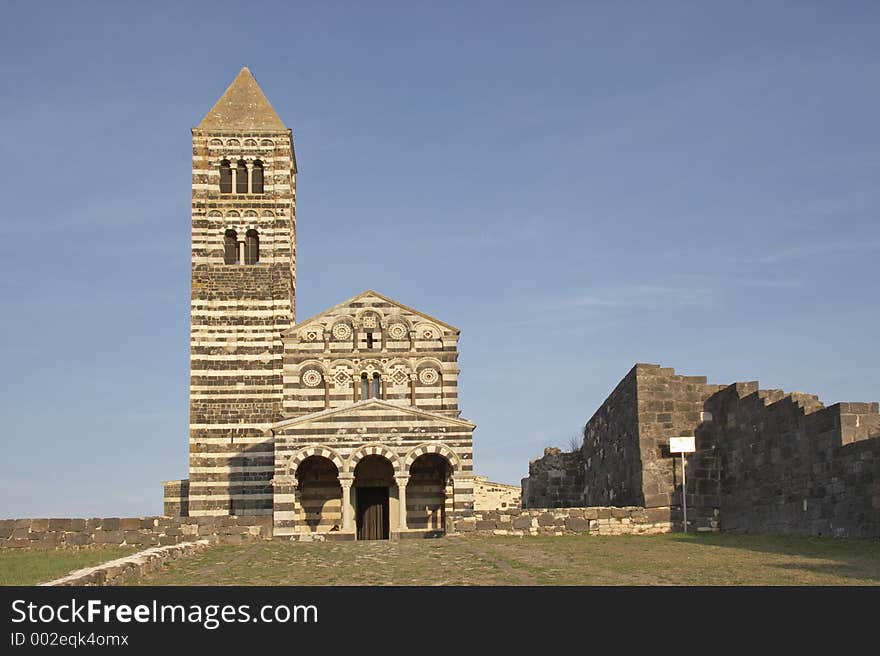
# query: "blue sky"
577,186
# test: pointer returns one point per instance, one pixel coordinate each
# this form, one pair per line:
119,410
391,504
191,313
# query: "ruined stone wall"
766,460
787,464
51,533
129,569
626,520
555,480
610,456
671,405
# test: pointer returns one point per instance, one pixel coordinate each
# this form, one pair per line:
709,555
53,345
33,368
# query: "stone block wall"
766,460
672,405
787,464
556,480
176,498
620,520
51,533
610,456
129,569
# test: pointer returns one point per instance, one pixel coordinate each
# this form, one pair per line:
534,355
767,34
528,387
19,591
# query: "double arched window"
236,179
369,390
236,252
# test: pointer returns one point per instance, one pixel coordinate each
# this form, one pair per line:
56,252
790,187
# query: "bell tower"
243,293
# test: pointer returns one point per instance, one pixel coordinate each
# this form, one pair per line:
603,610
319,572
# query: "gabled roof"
364,294
368,404
243,107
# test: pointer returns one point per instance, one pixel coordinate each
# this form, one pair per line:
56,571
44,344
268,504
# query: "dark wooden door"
372,513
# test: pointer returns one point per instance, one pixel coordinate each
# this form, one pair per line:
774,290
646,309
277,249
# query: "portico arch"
432,447
314,450
319,494
373,450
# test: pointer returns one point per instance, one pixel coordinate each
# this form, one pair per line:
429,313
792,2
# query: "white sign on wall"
682,445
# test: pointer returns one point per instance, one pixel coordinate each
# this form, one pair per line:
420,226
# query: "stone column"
401,501
346,482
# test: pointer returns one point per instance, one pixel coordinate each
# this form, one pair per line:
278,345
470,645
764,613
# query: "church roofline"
408,409
372,292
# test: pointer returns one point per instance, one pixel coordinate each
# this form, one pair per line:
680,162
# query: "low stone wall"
137,531
626,520
129,569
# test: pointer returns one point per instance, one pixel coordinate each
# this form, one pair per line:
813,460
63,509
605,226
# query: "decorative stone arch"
312,365
425,364
315,450
313,332
396,367
250,213
371,367
423,326
372,450
215,142
267,143
433,447
268,214
364,312
341,374
233,142
342,330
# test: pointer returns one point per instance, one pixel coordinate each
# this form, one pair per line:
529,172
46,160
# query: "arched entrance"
319,494
429,493
373,478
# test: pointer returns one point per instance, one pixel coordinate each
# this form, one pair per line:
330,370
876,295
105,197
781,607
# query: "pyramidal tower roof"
243,107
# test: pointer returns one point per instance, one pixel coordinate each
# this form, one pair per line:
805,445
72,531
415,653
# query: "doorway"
372,513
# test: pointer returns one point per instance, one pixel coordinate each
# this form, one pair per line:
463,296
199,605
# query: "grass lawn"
706,559
27,567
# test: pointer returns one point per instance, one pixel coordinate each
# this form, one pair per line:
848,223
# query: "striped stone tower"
243,273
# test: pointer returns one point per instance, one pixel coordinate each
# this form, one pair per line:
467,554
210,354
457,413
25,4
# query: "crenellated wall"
766,460
785,463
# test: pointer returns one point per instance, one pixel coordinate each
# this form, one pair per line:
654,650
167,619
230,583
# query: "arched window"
251,247
365,387
225,177
257,179
230,247
241,177
376,392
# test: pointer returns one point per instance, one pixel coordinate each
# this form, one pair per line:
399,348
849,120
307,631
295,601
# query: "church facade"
346,424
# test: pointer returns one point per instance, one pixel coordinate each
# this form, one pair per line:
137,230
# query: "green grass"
713,559
30,567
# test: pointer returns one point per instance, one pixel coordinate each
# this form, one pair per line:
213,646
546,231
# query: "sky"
577,186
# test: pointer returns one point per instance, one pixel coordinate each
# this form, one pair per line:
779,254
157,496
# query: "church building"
345,424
